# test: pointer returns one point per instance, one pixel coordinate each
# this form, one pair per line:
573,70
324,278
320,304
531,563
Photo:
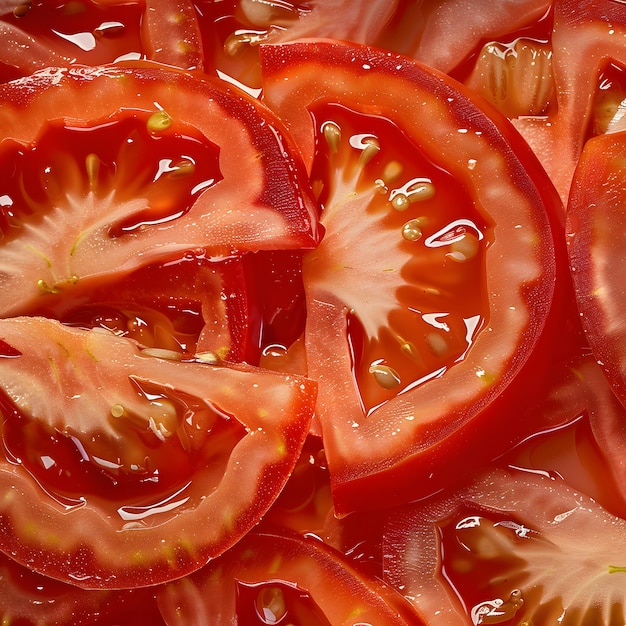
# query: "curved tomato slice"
40,34
429,298
122,469
272,578
233,30
29,598
596,237
188,305
444,34
114,168
510,548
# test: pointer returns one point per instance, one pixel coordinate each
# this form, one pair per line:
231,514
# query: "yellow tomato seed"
385,376
159,121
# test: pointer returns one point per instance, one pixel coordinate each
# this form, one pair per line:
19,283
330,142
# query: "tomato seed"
385,376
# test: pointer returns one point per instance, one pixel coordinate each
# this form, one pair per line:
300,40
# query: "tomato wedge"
115,167
271,578
187,305
587,39
431,295
41,34
123,469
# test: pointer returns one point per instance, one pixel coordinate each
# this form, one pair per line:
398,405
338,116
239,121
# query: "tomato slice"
188,305
511,548
587,38
430,294
114,168
29,598
449,32
271,578
596,237
40,34
232,30
123,469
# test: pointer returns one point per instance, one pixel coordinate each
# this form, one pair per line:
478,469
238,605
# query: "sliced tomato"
271,578
430,296
444,33
40,34
587,40
596,237
232,30
28,598
187,305
115,168
123,469
511,548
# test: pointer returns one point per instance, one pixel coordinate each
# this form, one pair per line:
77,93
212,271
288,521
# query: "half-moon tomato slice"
113,168
274,578
596,238
430,296
28,598
122,469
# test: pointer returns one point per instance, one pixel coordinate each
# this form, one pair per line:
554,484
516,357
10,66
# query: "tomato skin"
418,441
273,209
118,528
334,591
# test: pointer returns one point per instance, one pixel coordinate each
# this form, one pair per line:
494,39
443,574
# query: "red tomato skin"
364,479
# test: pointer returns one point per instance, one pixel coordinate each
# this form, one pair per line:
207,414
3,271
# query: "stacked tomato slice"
288,330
